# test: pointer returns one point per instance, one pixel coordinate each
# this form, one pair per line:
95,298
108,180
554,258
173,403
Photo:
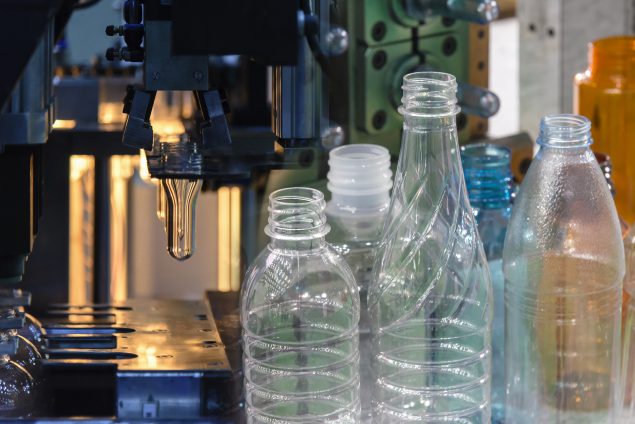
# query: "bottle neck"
359,178
429,149
296,219
613,58
488,176
565,132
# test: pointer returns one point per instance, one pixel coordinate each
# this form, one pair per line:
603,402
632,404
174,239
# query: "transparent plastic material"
359,181
628,334
181,195
16,389
605,93
563,262
430,299
28,354
299,314
489,182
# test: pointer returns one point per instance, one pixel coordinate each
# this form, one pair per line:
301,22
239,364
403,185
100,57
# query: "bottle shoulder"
613,82
277,274
564,207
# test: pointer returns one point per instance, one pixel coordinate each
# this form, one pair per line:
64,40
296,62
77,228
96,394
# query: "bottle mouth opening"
297,213
485,155
359,155
428,94
296,196
565,131
429,79
359,170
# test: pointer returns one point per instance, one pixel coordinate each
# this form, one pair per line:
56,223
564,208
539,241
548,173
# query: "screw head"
333,136
156,75
198,75
337,40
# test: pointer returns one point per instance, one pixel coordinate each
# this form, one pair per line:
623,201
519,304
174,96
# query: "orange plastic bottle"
605,93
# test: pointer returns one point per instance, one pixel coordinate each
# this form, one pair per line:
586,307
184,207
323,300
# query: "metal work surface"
138,361
150,335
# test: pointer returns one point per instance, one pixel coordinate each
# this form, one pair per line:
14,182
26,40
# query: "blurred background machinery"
180,119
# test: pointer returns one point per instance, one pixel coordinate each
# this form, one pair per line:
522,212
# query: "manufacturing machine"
322,72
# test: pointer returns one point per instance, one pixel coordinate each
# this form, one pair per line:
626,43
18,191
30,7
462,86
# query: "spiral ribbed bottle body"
299,313
430,303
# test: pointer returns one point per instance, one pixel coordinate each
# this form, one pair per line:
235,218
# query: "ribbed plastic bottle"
359,180
563,262
430,300
490,186
300,315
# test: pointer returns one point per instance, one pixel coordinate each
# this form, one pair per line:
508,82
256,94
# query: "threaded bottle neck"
565,131
612,56
428,95
488,176
359,176
297,214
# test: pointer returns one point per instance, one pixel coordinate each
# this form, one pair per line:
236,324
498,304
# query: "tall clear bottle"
430,300
563,262
300,314
489,182
359,180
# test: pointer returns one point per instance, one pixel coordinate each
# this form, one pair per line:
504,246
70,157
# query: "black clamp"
137,131
214,129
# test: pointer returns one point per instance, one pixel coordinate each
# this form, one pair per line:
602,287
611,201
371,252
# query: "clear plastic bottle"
489,182
563,262
300,315
359,180
16,385
628,335
430,299
28,355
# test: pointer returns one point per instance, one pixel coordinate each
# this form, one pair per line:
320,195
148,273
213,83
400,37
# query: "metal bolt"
156,75
337,40
198,75
333,136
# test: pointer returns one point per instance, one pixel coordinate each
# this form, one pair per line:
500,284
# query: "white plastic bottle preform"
359,180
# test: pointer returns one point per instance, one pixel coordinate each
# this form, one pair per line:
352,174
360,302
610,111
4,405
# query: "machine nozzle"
180,195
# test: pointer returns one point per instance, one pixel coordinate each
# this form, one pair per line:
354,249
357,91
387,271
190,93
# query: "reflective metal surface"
164,359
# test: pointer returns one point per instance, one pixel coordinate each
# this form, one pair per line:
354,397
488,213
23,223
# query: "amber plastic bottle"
605,93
